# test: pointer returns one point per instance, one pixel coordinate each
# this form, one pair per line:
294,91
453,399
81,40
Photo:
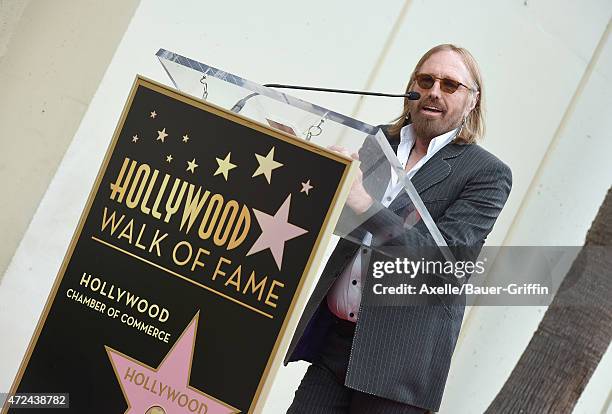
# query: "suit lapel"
436,169
433,172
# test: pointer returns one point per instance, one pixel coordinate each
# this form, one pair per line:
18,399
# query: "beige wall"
52,57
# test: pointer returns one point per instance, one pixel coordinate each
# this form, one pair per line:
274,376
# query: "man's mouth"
431,110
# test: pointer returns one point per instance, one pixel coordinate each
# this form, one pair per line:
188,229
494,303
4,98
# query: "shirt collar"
407,138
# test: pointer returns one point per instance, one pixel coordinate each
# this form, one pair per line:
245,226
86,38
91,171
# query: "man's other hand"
358,199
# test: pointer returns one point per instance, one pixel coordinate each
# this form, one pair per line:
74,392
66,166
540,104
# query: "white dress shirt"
344,296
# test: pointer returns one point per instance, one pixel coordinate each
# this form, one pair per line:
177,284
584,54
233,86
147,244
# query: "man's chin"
428,129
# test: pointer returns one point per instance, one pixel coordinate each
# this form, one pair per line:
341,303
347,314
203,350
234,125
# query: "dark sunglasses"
426,81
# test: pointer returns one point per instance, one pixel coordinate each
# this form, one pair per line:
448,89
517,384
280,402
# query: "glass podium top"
256,101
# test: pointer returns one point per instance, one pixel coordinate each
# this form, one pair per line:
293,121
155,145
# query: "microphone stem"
409,95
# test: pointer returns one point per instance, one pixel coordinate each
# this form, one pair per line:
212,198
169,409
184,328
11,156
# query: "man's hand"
358,199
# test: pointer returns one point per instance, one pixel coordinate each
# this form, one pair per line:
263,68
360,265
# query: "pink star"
168,385
275,231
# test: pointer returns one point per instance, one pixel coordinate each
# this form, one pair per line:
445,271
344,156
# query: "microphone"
413,96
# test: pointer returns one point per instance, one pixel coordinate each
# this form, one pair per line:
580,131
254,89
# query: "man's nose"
435,89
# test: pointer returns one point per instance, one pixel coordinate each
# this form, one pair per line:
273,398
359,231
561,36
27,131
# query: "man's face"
438,112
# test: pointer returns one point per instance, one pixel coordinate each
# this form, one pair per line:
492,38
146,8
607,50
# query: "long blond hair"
474,126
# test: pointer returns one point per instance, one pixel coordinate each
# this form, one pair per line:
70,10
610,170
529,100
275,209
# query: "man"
395,359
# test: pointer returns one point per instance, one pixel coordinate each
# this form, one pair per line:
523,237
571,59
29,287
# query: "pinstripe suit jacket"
403,353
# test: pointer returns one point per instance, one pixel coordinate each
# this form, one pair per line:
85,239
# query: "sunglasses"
426,81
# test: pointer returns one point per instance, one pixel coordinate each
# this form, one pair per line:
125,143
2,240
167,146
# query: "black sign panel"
192,250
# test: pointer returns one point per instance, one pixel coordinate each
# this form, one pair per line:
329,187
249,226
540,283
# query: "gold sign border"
309,274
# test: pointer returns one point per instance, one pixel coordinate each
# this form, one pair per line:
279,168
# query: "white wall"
545,65
52,57
559,206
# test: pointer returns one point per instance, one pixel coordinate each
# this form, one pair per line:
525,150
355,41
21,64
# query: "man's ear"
475,98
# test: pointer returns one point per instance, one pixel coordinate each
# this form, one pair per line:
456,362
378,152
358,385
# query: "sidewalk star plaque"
195,244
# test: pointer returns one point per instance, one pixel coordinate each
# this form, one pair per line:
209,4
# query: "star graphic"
266,165
135,138
224,166
185,138
275,231
170,378
153,114
161,135
169,158
191,166
306,187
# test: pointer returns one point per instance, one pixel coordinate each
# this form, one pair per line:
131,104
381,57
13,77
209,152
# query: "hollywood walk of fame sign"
198,239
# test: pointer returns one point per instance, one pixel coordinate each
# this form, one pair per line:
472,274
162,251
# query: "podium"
206,224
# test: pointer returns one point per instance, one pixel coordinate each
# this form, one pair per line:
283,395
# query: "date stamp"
34,400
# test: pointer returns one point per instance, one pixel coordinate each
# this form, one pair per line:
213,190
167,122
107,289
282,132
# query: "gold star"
185,138
306,187
169,158
161,135
266,165
153,114
191,166
224,166
135,138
